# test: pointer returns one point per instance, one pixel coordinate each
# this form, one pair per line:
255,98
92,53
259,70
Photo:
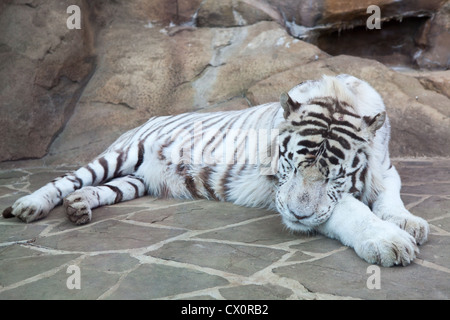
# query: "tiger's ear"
375,123
288,104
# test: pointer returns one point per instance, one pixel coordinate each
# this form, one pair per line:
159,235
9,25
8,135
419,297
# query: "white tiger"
319,156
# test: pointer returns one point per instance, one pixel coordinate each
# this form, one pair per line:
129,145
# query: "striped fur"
324,144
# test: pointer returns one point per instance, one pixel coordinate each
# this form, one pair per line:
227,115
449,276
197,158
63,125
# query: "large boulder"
43,68
146,71
435,41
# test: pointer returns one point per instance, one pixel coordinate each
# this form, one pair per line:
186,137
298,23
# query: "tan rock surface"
55,108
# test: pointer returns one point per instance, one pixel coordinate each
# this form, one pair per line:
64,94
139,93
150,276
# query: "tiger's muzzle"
304,203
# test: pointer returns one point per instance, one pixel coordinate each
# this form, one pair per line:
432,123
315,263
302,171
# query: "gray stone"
442,224
424,173
432,207
427,188
107,235
151,248
232,258
256,292
158,281
17,231
321,245
92,285
265,231
18,264
109,262
199,215
341,274
433,251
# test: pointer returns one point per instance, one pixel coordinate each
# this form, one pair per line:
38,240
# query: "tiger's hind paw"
77,209
28,208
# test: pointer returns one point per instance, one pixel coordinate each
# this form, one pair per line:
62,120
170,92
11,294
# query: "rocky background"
66,94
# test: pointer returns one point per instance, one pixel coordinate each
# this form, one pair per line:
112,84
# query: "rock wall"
43,68
65,94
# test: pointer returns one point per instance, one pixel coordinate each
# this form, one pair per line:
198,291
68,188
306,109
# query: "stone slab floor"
170,249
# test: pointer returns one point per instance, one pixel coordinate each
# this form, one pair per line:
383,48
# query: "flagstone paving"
152,248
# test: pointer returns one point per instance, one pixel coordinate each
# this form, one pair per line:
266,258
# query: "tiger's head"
324,148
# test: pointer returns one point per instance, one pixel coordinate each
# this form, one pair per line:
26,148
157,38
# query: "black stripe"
79,181
355,161
204,176
161,155
141,181
137,178
225,180
312,132
353,189
189,182
333,160
342,141
362,176
308,144
349,133
244,141
341,108
207,126
326,103
311,122
191,187
146,134
337,152
57,189
119,193
286,141
140,155
75,180
303,151
323,163
320,116
294,105
94,175
162,126
348,113
136,189
344,123
119,162
104,164
220,130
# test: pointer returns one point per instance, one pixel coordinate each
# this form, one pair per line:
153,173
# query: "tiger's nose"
301,217
302,210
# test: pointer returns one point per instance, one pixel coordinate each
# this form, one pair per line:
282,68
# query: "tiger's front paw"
415,226
388,246
28,208
77,208
397,214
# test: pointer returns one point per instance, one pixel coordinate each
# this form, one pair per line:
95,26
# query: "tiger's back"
209,155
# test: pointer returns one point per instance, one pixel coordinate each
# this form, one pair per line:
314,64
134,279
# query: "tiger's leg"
389,206
38,204
78,204
374,240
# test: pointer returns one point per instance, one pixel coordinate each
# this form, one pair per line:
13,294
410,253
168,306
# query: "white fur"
387,236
